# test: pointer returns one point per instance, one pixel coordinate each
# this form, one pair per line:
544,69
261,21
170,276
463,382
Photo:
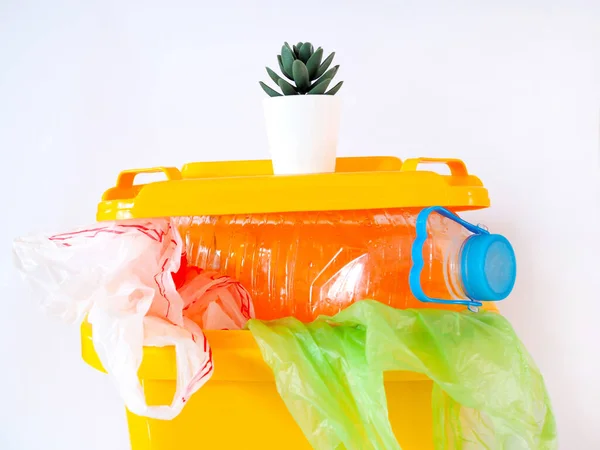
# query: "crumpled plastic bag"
123,276
487,394
216,302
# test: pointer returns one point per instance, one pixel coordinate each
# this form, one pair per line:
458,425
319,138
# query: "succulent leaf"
305,52
289,47
287,57
287,88
320,87
271,92
273,76
334,89
323,67
329,74
300,73
297,49
283,71
314,62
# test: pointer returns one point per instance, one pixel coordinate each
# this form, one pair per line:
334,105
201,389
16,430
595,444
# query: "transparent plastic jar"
312,263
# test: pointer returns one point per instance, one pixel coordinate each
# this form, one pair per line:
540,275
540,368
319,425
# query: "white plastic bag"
120,275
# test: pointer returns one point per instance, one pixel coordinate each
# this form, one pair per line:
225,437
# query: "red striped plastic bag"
120,275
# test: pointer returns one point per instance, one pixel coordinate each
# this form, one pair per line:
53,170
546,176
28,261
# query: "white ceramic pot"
302,131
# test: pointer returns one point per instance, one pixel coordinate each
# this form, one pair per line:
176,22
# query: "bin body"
252,415
240,408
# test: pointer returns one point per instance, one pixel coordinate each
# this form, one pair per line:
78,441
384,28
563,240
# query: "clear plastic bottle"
312,263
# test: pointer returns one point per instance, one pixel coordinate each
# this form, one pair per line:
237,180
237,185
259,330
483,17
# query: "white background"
90,88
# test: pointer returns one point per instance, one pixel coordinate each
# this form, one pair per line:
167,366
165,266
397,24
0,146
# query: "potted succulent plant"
303,119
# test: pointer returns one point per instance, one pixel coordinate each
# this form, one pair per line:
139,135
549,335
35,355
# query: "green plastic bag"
487,394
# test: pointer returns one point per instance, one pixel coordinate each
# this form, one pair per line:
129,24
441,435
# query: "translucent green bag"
487,394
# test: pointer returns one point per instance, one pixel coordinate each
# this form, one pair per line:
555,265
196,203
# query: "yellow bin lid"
248,187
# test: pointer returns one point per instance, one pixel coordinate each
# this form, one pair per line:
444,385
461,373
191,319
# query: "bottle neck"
452,270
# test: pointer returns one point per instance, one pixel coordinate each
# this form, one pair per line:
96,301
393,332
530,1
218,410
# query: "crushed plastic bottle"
311,263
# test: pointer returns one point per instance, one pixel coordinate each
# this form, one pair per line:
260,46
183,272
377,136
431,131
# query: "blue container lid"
488,267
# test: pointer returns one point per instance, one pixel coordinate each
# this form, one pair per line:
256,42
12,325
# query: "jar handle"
414,277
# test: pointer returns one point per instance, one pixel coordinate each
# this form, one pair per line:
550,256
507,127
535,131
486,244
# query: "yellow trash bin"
239,407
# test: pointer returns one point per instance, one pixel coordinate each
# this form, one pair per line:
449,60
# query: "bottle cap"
488,267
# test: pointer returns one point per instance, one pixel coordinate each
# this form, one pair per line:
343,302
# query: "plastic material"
248,187
485,263
308,264
487,391
128,280
302,131
240,408
488,267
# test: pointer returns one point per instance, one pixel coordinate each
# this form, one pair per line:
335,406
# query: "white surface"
302,132
89,88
